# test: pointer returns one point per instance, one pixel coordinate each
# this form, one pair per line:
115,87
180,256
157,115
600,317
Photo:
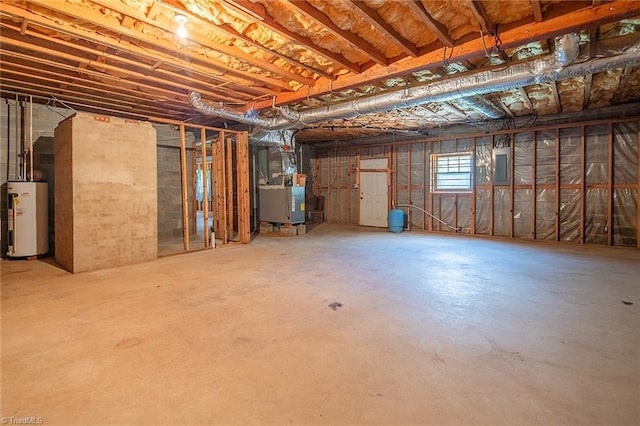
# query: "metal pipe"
480,83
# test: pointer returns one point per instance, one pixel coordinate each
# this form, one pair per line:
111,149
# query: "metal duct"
481,83
483,105
221,112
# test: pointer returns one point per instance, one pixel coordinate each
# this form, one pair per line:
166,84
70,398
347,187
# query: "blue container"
396,220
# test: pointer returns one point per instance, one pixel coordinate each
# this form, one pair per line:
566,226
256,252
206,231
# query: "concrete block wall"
106,192
170,180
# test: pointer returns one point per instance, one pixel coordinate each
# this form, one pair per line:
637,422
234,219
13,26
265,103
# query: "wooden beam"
23,27
44,48
624,79
205,192
610,185
253,13
434,26
226,30
525,98
383,27
352,39
537,11
556,97
122,92
154,10
593,32
183,175
242,179
82,96
455,110
229,185
481,16
501,104
187,61
162,22
573,21
583,184
587,91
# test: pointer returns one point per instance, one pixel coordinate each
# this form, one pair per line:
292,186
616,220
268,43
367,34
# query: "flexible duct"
481,83
483,105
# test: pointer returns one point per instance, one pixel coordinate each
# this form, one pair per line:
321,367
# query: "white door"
374,201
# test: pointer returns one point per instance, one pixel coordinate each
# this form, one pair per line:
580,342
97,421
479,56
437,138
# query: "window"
451,172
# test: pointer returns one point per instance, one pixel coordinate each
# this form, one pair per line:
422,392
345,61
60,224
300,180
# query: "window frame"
434,174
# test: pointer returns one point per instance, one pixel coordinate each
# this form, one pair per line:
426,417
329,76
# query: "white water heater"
28,224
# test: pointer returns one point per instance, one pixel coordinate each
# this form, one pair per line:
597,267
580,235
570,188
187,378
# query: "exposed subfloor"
343,325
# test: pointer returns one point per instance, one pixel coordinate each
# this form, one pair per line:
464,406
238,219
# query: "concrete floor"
433,329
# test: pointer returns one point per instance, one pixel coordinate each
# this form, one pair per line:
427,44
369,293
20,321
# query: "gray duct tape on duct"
481,83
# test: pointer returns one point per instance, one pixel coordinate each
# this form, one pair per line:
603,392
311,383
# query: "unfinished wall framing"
575,183
226,154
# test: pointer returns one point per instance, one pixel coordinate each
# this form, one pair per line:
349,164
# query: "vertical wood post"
205,194
183,173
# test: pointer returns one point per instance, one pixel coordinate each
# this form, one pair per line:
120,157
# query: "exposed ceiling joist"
228,30
436,27
593,35
162,22
97,19
253,12
360,44
624,79
23,27
377,22
537,10
510,38
556,97
188,62
481,16
525,98
97,61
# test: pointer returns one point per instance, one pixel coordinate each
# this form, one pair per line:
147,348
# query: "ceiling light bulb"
181,31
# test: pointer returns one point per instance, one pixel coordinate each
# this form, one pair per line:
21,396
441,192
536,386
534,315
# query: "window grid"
451,172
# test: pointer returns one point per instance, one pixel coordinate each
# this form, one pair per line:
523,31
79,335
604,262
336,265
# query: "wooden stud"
534,188
474,190
638,187
222,189
610,186
205,193
511,183
183,173
328,198
583,187
242,179
409,188
229,186
424,188
557,189
358,158
491,199
339,187
194,180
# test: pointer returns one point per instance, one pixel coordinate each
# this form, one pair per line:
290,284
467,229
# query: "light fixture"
181,31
